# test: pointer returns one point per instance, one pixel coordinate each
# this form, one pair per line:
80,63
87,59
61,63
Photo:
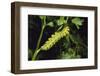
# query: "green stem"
41,33
35,54
67,20
62,25
40,37
37,50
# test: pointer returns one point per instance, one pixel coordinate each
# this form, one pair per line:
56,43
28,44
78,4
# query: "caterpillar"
55,38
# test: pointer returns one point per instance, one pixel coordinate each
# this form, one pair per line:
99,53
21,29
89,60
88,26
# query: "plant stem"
40,37
62,25
67,20
41,33
39,40
35,54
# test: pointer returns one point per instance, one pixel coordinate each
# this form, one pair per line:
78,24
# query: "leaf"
73,39
61,21
50,24
42,17
66,42
78,22
70,54
65,56
77,40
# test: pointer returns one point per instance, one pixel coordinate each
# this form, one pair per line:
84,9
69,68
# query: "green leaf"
70,54
65,56
61,21
78,22
77,40
73,39
42,17
50,24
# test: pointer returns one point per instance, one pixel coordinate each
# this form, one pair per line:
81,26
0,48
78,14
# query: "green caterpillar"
55,38
52,40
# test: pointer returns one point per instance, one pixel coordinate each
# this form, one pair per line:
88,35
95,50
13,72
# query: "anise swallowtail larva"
55,38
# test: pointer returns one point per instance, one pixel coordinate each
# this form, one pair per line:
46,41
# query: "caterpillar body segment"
55,38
